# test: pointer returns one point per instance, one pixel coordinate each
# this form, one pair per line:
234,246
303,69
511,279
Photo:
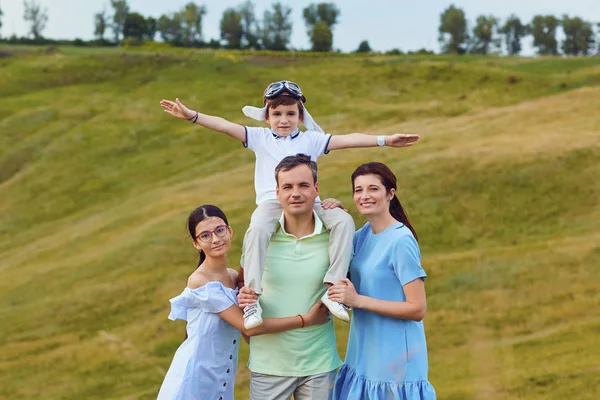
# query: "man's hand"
177,109
246,297
401,140
317,315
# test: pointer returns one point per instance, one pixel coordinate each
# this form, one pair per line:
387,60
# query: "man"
299,362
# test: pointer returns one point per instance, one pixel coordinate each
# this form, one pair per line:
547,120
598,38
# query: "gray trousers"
263,224
270,387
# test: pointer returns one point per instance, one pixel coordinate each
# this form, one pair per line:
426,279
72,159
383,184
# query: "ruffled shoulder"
212,297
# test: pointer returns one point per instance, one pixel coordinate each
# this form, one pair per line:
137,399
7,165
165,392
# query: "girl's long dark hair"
388,179
200,214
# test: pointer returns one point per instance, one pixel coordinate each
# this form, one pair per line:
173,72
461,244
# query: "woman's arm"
317,315
413,308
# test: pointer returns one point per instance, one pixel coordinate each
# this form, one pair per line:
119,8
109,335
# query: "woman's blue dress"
386,357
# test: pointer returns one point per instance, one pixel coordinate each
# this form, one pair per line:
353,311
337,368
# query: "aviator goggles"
277,88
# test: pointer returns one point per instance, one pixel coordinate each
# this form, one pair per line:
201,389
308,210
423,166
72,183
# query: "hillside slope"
96,182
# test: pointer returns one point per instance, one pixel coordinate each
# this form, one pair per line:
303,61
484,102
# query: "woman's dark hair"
388,179
200,214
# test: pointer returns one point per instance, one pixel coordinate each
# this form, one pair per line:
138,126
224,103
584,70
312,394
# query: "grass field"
96,182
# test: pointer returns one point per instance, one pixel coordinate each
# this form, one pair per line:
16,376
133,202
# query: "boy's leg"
341,234
316,387
263,224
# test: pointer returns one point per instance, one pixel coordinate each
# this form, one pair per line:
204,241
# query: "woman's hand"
331,203
177,109
317,315
345,293
246,297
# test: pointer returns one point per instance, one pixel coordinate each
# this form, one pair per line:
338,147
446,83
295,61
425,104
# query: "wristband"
302,319
380,140
194,118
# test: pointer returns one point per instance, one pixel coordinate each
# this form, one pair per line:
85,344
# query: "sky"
385,24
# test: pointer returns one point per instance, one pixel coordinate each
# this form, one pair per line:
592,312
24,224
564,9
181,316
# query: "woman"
205,364
387,352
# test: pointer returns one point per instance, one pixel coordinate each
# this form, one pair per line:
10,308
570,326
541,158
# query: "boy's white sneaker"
337,309
252,315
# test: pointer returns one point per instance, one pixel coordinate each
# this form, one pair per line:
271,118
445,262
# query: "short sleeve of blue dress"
386,357
407,259
212,297
205,364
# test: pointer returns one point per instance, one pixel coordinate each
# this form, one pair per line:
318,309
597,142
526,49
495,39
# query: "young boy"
283,111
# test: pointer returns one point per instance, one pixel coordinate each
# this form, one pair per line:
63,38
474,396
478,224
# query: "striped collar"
294,135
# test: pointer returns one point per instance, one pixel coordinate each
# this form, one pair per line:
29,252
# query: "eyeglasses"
219,231
277,88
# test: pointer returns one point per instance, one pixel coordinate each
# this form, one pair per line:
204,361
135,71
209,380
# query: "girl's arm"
317,315
353,140
413,308
178,110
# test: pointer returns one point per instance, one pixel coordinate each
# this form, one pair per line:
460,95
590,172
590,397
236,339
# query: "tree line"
241,28
487,34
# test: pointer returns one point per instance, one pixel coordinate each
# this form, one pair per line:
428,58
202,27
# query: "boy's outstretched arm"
178,110
353,140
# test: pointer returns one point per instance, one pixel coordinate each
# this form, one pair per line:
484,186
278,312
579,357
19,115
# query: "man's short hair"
290,162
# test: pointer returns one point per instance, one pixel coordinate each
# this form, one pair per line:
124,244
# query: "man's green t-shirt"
292,283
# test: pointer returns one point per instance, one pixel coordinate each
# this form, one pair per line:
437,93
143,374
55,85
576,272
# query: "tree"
320,19
394,52
324,12
277,27
100,19
151,28
231,28
453,30
250,28
36,17
543,30
1,19
170,28
513,31
485,35
598,39
191,16
579,36
121,10
321,38
135,26
364,47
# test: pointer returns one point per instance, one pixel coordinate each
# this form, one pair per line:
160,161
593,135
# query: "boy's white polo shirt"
271,148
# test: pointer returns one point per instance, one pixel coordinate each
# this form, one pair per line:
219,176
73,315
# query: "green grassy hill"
96,182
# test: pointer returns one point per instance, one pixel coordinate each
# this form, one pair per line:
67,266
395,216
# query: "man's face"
284,119
297,191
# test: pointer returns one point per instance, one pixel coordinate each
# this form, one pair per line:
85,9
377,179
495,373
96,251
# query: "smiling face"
284,119
211,229
370,195
297,190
